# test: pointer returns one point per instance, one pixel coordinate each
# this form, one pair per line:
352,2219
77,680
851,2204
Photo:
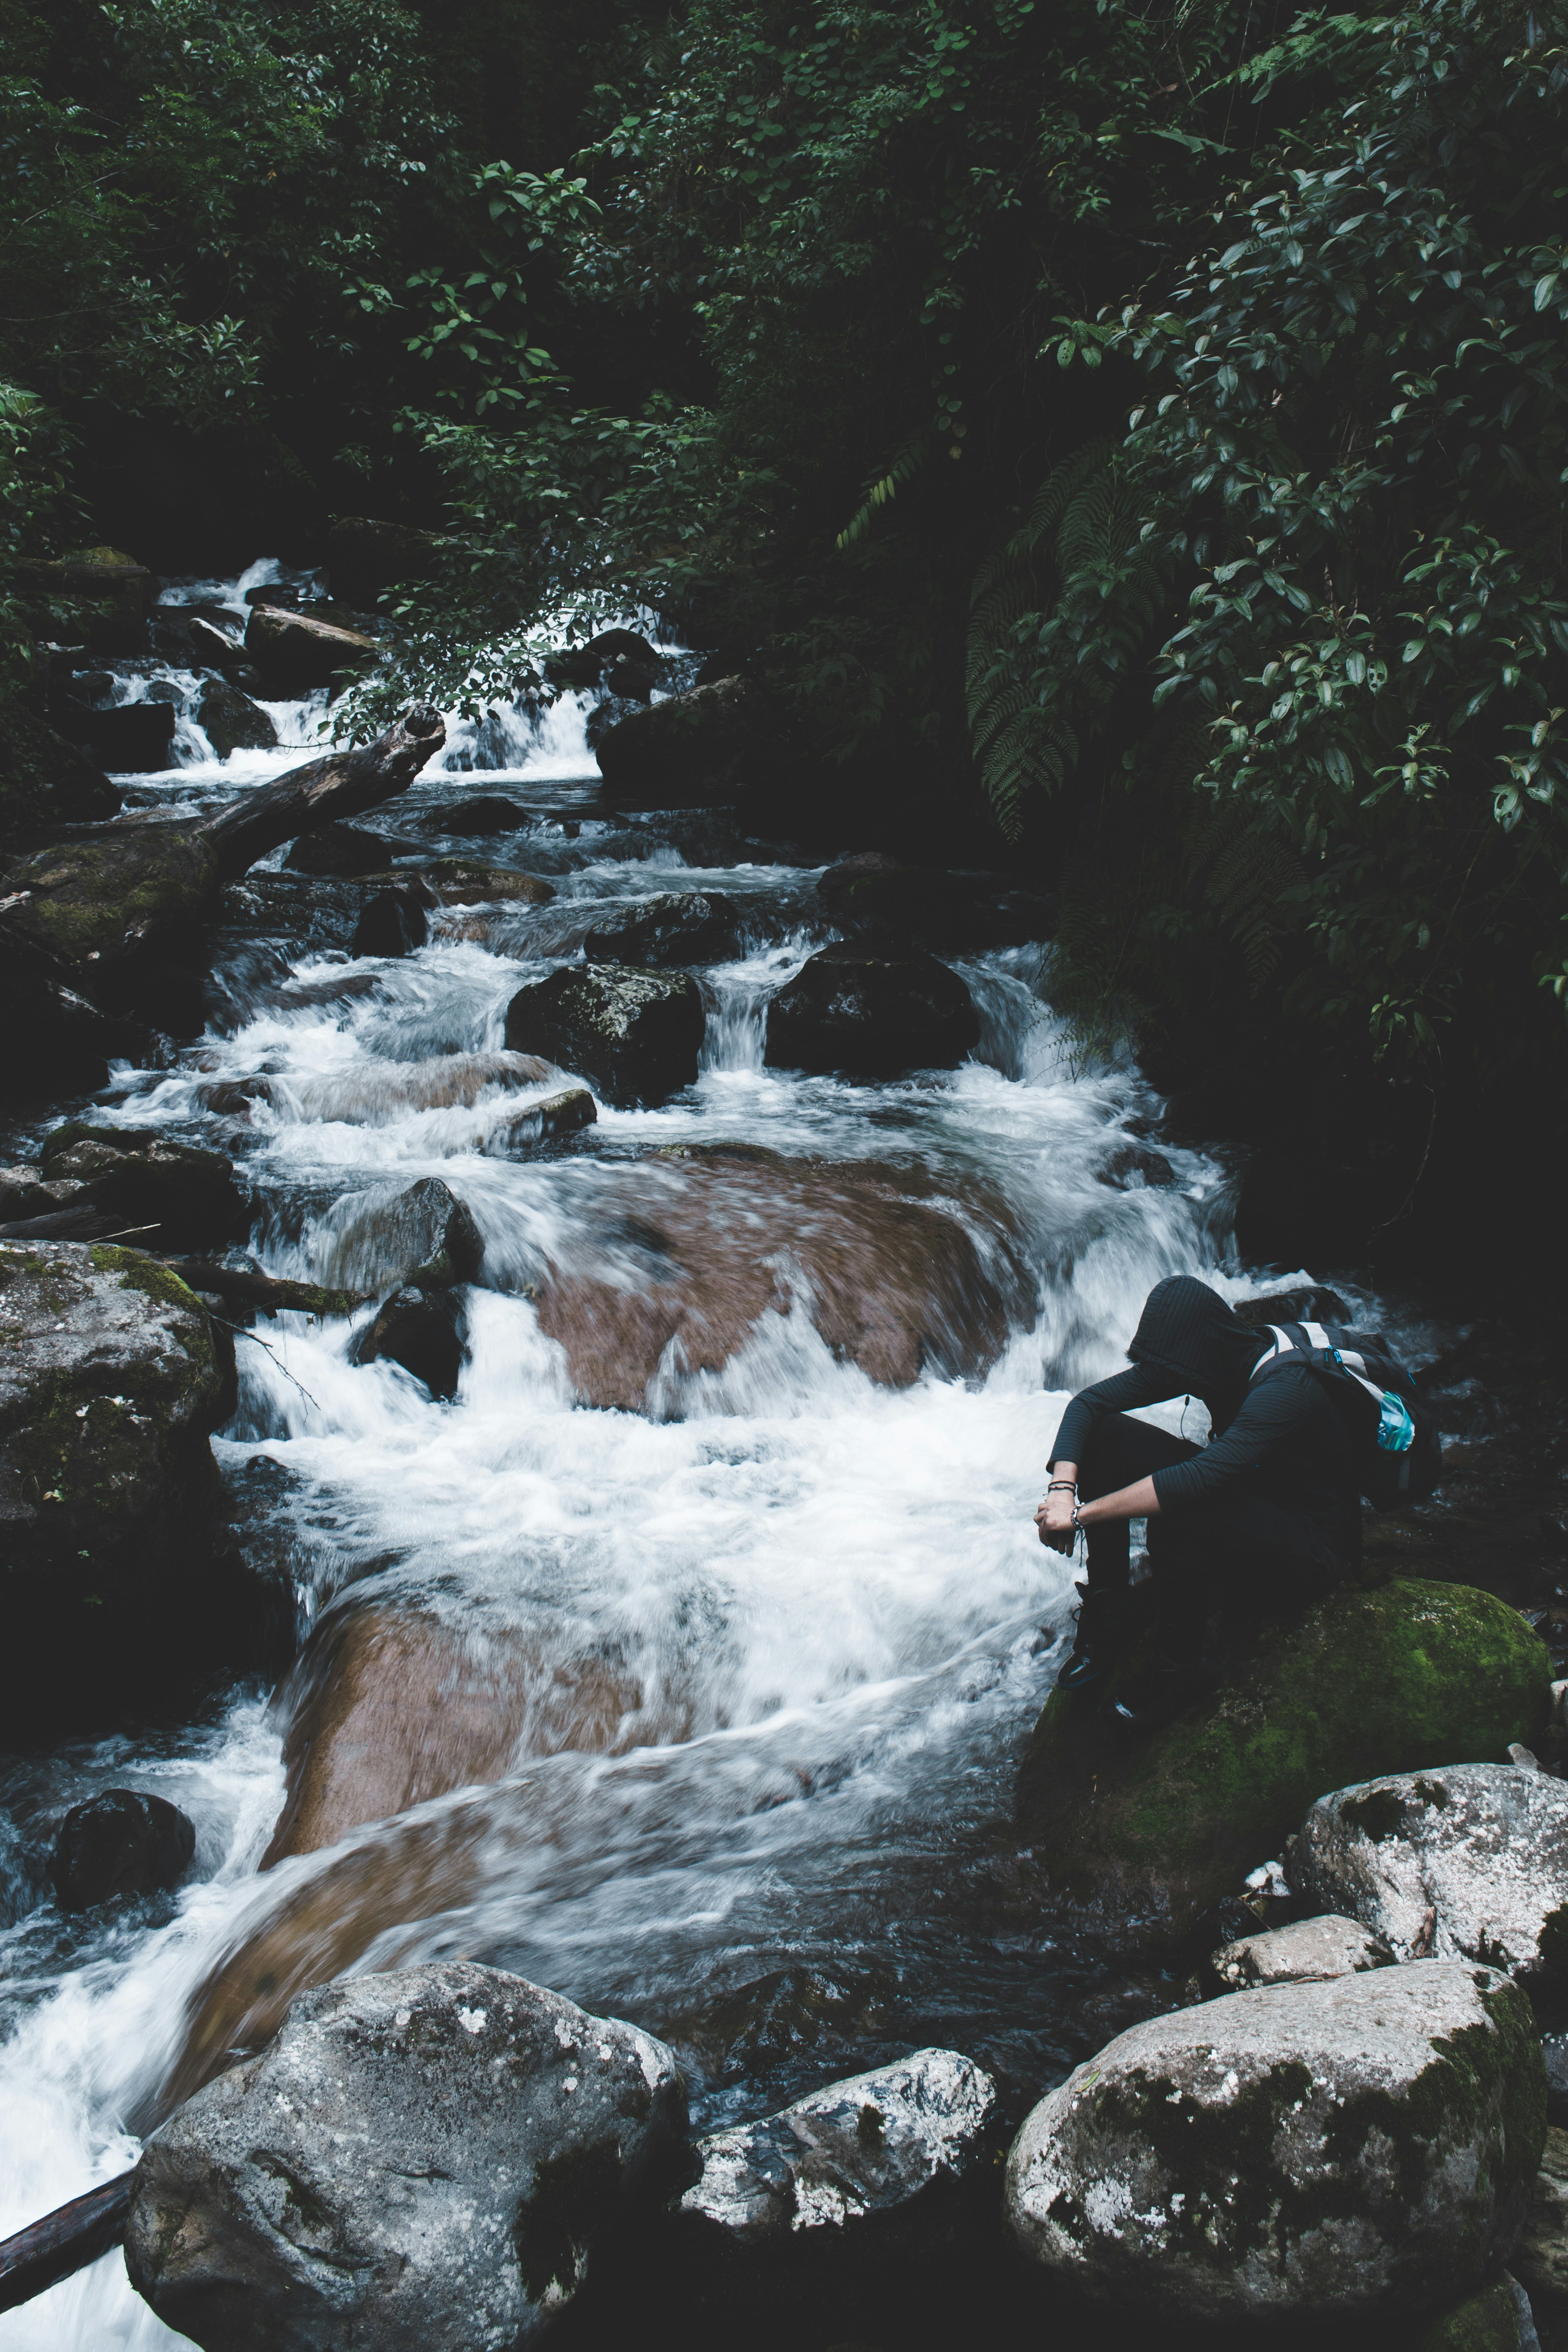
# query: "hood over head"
1188,1330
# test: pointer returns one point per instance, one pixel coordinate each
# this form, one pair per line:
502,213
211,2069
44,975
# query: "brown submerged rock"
391,1706
722,1236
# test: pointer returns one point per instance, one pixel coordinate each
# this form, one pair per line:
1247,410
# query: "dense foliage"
1145,425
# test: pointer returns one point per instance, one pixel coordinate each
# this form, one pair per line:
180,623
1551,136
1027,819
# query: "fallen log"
344,784
65,2241
270,1294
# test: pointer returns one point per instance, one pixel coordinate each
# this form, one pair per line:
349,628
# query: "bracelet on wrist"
1061,1487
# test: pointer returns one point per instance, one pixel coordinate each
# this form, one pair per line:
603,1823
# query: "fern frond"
904,468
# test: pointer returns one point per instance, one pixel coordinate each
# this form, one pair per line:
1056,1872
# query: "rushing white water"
828,1594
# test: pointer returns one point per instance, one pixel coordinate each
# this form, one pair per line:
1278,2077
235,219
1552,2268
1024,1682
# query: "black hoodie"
1283,1439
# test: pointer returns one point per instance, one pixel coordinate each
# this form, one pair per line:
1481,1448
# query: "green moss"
59,1140
137,1271
1487,2321
93,897
1401,1679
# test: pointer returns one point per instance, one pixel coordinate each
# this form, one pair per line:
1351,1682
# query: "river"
827,1593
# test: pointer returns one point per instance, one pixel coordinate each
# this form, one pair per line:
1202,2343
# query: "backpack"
1400,1455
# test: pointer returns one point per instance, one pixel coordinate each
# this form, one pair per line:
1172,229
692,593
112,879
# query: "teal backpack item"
1400,1455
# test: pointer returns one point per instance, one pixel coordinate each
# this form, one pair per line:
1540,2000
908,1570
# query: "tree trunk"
344,785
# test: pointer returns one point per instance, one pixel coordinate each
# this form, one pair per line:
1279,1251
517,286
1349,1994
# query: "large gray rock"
677,927
417,2164
635,1036
873,2152
1345,2147
1309,1951
424,1234
871,1013
1469,1859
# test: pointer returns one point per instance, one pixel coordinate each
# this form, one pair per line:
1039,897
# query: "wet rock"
128,738
23,1194
423,1234
295,651
875,2156
391,1704
561,1114
618,661
1496,2318
342,851
679,927
779,2018
1140,1838
109,1381
486,813
1540,2260
1132,1169
425,1332
871,1015
609,714
692,750
393,924
420,2162
365,557
96,906
699,1248
874,898
45,779
1464,1859
634,1036
375,1092
1554,2050
1309,1951
173,1195
231,721
1337,2148
124,1842
458,882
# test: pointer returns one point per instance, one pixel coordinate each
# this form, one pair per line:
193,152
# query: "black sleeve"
1273,1410
1139,1384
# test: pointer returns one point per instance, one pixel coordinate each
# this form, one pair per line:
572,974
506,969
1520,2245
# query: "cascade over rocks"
875,2158
694,749
423,1234
871,1015
679,927
561,1114
124,1842
231,721
634,1036
420,2162
1365,2144
1463,1859
370,1093
1309,1951
109,1381
1140,1838
699,1246
391,1704
423,1327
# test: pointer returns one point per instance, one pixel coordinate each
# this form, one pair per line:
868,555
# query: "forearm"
1139,1502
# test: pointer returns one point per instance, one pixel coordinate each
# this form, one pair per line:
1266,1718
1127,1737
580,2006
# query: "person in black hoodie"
1270,1500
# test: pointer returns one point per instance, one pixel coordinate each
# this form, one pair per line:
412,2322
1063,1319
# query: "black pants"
1241,1545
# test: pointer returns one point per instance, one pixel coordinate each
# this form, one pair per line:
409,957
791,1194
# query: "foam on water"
828,1593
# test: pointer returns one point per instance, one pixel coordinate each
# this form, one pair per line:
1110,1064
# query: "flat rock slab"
861,2153
1336,2149
1309,1951
1468,1859
418,2163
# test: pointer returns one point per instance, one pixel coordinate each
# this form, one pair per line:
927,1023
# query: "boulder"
1496,2318
424,1329
53,1041
392,924
23,1194
564,1113
634,1036
124,1842
615,658
1132,1169
423,1234
172,1196
1140,1838
295,651
872,897
109,1381
678,926
45,779
101,904
391,1704
1540,2260
231,721
1462,1860
872,1015
486,813
608,714
1363,2146
700,1246
459,882
365,558
420,2162
343,852
1309,1951
879,2157
113,593
126,738
693,751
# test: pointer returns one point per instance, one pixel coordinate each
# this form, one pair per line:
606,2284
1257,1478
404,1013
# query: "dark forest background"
1123,444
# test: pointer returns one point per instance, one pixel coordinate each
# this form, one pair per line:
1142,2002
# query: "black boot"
1102,1616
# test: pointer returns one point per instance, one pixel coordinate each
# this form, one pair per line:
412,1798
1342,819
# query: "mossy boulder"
634,1034
45,781
111,896
172,1196
1490,2320
1142,1837
110,1379
1341,2149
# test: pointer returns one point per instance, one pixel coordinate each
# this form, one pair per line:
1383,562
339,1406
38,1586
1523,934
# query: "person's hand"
1054,1521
